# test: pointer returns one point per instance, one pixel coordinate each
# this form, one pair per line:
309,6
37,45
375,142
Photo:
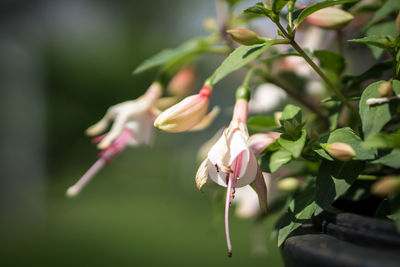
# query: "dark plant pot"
343,239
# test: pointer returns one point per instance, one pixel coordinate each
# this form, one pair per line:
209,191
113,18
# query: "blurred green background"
63,63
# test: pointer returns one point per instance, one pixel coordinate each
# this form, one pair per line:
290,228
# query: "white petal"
142,129
249,174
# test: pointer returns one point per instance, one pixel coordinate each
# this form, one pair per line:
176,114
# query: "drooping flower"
188,113
231,164
133,123
133,110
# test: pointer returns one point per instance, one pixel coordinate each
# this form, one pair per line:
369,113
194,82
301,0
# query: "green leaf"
260,9
389,158
384,28
261,123
186,49
277,5
295,146
315,7
375,117
239,58
291,112
348,136
389,7
381,41
333,180
299,211
273,160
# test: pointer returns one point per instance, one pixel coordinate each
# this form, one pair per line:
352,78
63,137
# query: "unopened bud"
288,184
340,151
210,24
186,114
330,18
385,89
245,37
387,186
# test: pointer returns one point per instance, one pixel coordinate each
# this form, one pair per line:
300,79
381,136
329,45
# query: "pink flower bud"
258,142
385,89
386,186
340,151
186,114
330,18
182,83
245,37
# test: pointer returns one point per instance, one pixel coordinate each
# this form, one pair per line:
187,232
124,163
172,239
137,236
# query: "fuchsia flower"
231,164
189,114
133,123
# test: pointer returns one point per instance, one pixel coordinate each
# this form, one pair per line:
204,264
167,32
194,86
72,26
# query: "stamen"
78,186
227,205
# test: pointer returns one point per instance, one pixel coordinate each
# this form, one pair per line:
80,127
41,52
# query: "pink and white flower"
231,164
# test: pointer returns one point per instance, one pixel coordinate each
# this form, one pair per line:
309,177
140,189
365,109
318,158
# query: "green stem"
249,74
365,177
318,71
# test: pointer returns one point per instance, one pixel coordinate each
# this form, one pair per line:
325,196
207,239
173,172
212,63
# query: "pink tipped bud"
330,18
288,184
385,89
186,114
182,83
245,37
387,186
340,151
260,141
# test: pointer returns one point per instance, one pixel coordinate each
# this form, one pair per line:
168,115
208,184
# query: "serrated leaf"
373,118
294,146
387,8
333,180
348,136
239,58
261,10
261,123
389,158
299,211
384,28
184,50
381,41
315,7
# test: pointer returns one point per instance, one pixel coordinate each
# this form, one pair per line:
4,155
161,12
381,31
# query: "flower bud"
385,89
398,23
330,18
387,186
258,142
245,37
186,114
288,184
182,83
277,118
340,151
